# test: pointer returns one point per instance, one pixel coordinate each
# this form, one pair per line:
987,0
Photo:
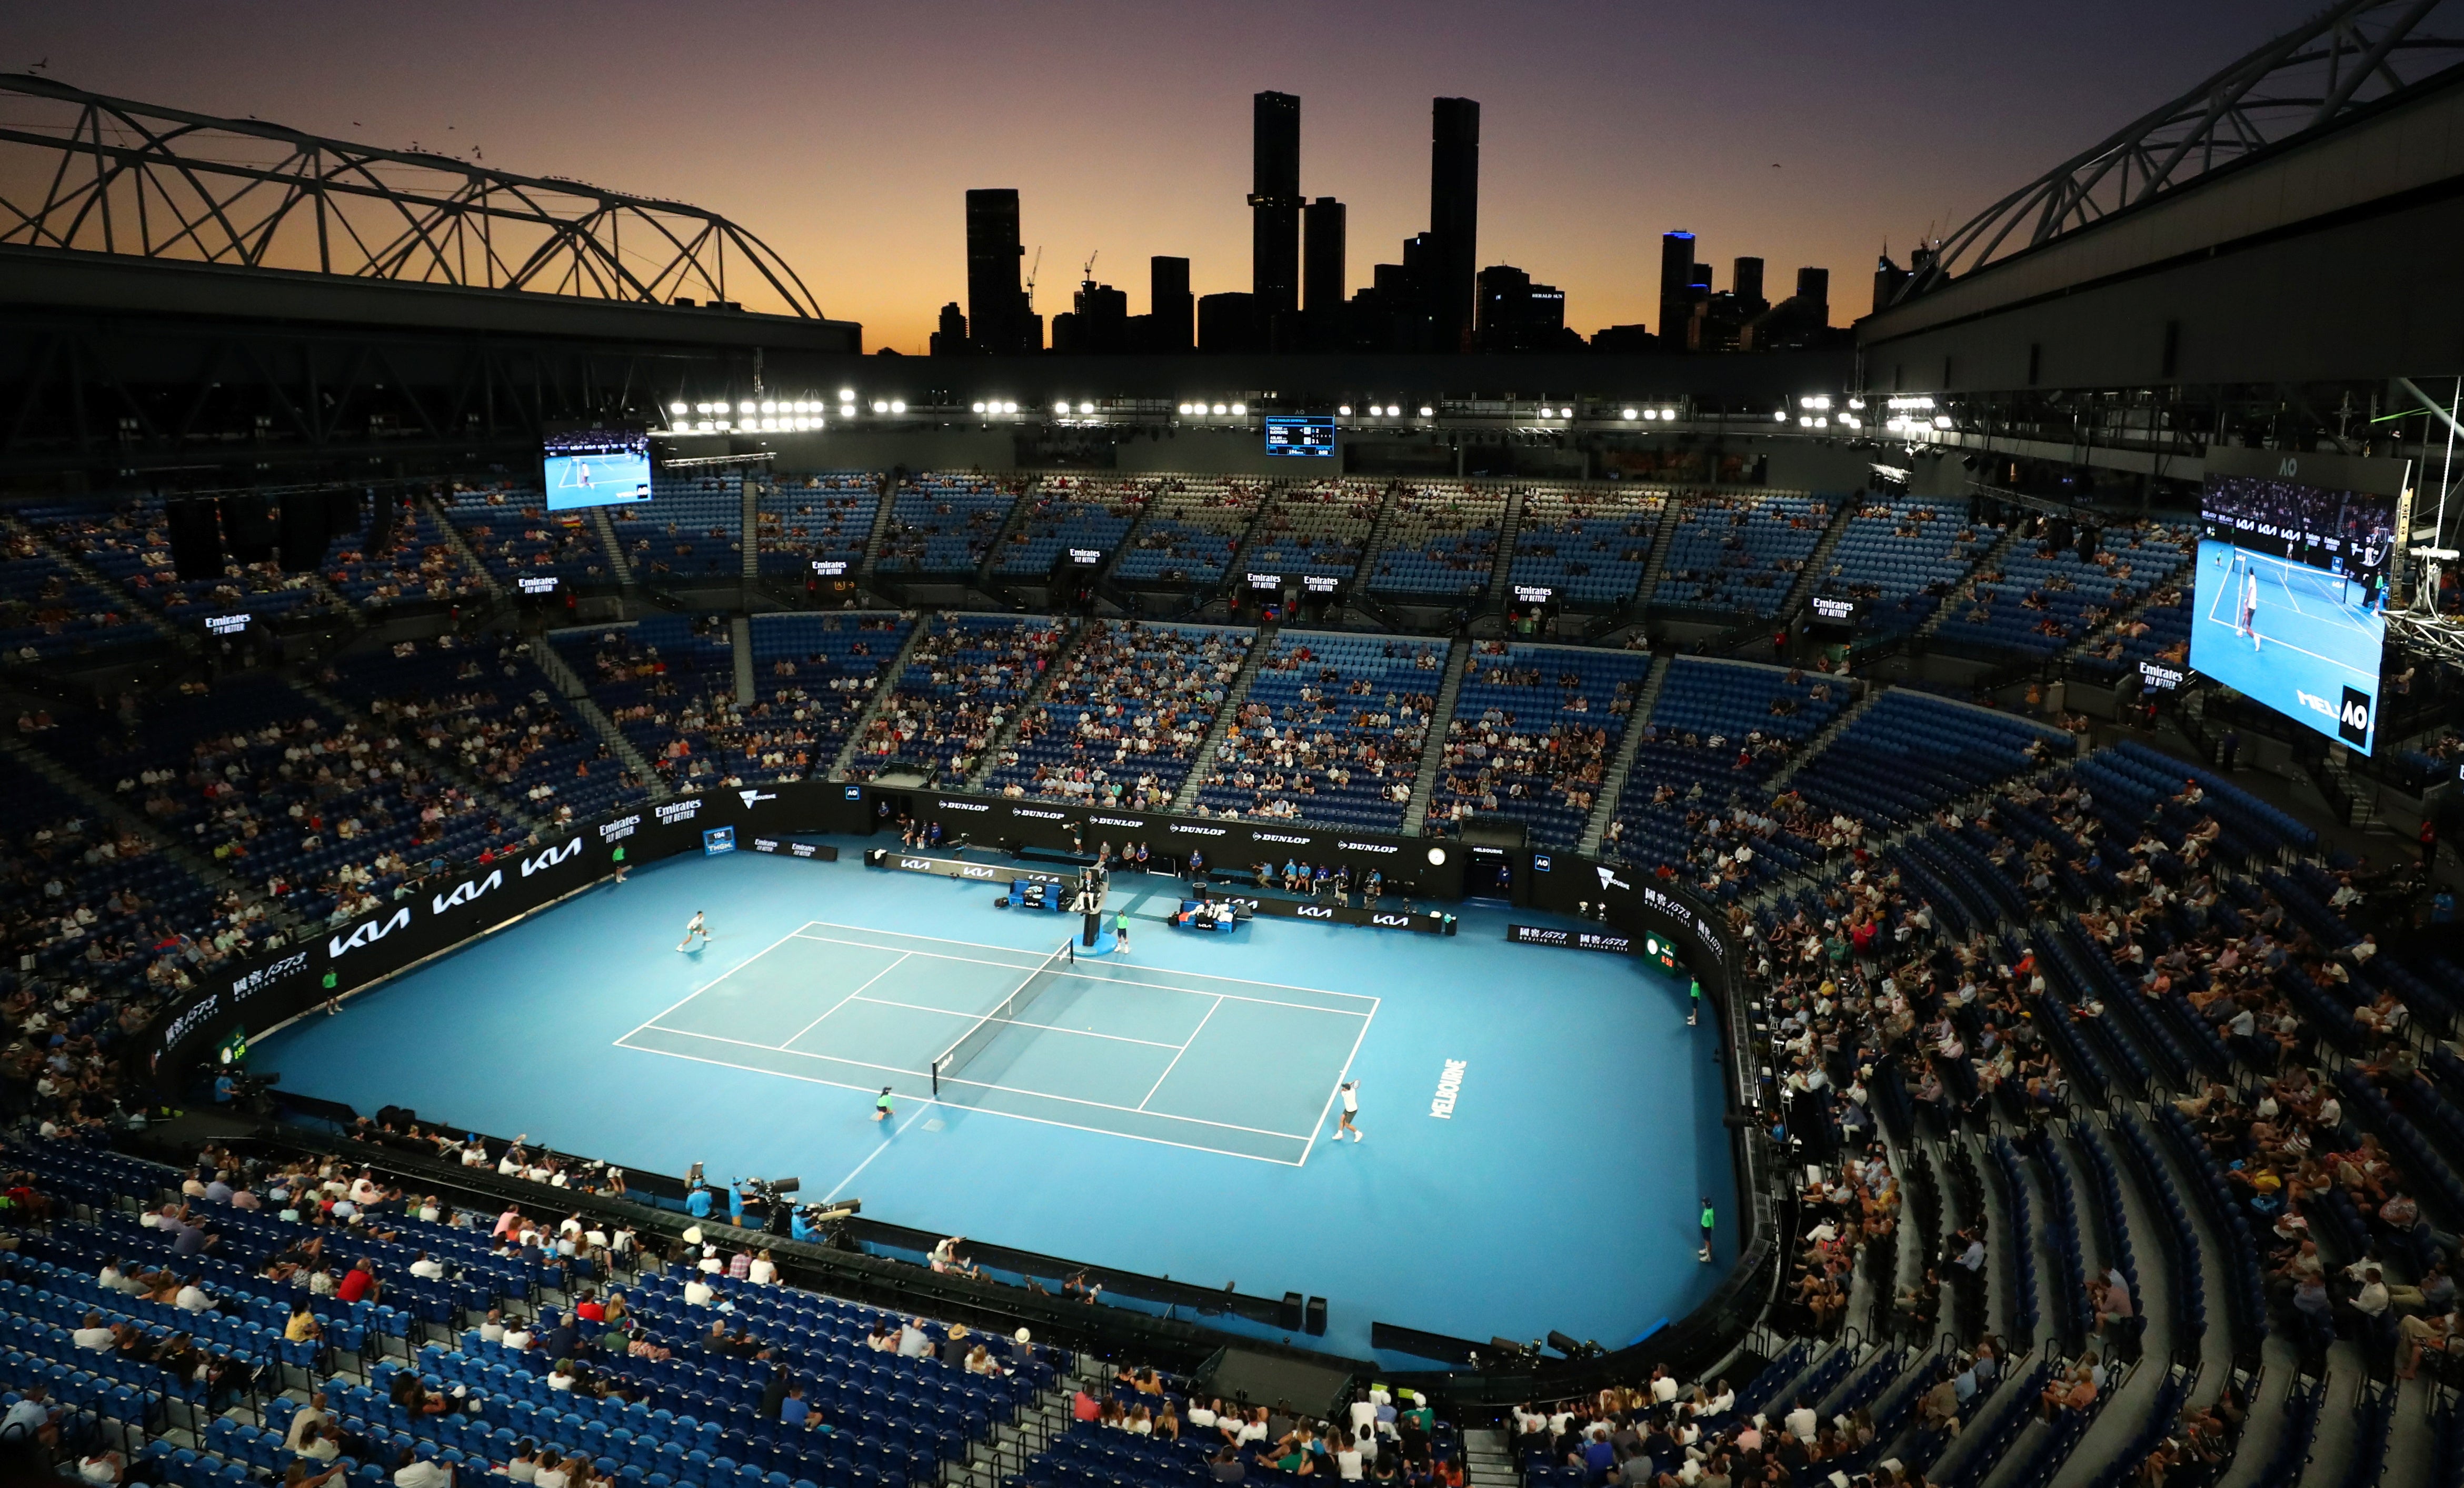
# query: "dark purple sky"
844,134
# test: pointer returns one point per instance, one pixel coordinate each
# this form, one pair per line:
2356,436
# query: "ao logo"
551,858
2288,468
466,891
2357,713
367,934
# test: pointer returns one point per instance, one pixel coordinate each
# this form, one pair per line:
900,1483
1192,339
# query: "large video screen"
2290,599
1300,435
595,464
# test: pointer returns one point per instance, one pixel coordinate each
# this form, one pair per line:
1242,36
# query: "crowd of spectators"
964,680
1124,716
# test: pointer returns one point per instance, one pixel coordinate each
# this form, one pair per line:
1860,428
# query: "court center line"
1040,1120
712,982
1176,1058
1035,956
850,997
1340,1077
917,1074
1112,982
1083,1032
879,1150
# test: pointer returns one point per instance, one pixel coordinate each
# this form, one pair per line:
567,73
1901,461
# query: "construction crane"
1030,278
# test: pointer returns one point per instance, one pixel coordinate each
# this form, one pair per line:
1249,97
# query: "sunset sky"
844,134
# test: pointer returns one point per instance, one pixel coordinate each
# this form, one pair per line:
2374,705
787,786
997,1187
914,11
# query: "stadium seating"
129,543
1125,714
813,677
965,679
1717,732
1315,528
827,515
669,684
1910,753
2040,600
1066,512
1330,731
1192,525
1532,734
1897,559
1441,542
517,539
420,565
943,523
1741,553
48,612
691,528
1591,544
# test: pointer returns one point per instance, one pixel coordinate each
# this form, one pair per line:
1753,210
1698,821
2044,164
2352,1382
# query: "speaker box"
1289,1315
303,533
249,531
196,539
1313,1321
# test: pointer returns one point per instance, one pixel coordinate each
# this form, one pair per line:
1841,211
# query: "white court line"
1176,1058
1033,957
850,997
1342,1076
1040,1120
1012,1022
879,1150
961,1079
712,982
1116,981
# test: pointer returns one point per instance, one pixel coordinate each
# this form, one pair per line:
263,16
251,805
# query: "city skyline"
846,137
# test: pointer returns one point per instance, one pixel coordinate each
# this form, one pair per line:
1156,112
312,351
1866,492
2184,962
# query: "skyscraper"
995,306
1814,292
1745,283
1676,289
1322,281
1275,203
1454,220
1169,307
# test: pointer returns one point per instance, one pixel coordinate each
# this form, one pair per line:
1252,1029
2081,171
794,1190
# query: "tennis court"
1245,1068
2309,641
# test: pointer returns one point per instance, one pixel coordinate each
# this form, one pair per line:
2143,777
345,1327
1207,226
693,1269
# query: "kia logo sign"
551,858
1390,919
464,892
973,870
1315,912
368,933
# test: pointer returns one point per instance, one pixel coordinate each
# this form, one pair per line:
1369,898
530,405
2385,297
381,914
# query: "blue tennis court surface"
1211,1063
1166,1112
2293,637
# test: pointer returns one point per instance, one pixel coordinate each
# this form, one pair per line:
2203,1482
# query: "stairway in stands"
1823,735
1000,743
1433,753
885,683
752,520
1500,575
618,562
1671,512
576,693
885,499
1613,785
1991,557
1233,697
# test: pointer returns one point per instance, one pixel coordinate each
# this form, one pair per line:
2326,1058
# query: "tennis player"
1350,1108
697,929
2250,609
1709,1217
881,1107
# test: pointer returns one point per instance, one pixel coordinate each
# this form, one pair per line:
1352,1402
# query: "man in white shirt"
313,1413
912,1341
1801,1422
192,1298
698,1292
491,1329
416,1472
94,1336
428,1268
517,1336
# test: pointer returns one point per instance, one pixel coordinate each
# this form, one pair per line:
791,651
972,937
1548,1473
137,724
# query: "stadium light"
770,407
978,406
846,395
1858,403
1670,414
676,408
1630,415
1781,416
1941,421
703,426
1345,409
881,405
1218,408
1393,410
1427,412
745,407
1009,407
1239,411
898,406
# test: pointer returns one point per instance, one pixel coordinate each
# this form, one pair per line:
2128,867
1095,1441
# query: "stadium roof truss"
2354,55
81,170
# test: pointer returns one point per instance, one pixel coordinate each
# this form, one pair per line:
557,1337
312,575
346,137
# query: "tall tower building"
1168,303
1745,283
1275,203
1454,220
996,305
1676,288
1322,282
1813,293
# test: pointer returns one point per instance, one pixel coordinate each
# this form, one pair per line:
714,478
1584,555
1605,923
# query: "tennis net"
1010,1010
